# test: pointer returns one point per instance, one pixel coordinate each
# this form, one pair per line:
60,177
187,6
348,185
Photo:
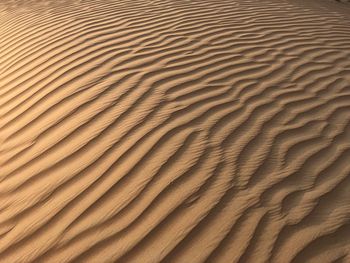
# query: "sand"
175,131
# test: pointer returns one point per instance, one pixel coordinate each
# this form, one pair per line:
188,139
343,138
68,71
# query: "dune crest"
174,131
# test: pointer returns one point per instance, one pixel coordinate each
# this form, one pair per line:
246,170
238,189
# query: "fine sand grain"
175,131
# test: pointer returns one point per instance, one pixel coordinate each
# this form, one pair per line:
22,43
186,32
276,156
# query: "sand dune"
174,131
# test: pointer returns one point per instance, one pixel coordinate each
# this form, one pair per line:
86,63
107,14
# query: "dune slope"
174,131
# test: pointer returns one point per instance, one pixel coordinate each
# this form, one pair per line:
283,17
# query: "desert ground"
181,131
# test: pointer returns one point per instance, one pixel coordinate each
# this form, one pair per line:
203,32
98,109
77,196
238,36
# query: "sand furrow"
174,131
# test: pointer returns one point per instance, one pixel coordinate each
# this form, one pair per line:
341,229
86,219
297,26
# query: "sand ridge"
174,131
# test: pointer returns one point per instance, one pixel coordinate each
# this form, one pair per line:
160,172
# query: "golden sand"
175,131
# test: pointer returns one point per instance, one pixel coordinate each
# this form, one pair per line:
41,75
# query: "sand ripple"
174,131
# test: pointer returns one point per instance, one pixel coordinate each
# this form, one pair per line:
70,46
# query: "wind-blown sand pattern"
174,131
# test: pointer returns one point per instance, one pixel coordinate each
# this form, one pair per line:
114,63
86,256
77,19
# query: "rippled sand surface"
175,131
